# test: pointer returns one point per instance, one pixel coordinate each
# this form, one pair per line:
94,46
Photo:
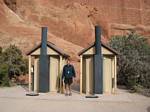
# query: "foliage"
12,64
4,79
133,60
0,50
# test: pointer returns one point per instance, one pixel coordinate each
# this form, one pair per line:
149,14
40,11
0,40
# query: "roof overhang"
50,45
103,45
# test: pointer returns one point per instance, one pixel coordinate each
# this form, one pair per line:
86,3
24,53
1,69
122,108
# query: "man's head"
68,61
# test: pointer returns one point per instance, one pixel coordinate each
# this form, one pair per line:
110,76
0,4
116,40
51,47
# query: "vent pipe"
43,63
98,64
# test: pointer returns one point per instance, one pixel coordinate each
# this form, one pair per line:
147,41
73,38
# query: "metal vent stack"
43,63
98,64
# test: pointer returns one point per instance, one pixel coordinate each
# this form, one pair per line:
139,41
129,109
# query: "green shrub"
0,50
14,59
133,61
4,78
12,64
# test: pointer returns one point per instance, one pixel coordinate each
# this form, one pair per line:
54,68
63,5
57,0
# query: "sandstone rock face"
11,4
70,22
74,20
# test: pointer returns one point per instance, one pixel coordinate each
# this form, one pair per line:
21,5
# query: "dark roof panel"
103,45
52,46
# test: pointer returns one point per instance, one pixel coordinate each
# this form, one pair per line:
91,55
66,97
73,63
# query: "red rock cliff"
74,20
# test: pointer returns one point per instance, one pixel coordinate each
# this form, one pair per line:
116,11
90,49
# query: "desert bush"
4,78
133,60
12,64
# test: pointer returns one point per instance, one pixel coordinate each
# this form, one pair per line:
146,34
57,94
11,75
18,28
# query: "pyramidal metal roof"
103,45
52,46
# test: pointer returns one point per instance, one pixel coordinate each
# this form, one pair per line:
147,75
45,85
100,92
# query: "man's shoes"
66,94
70,94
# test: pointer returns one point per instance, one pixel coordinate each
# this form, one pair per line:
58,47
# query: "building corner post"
29,72
60,74
115,86
36,75
81,63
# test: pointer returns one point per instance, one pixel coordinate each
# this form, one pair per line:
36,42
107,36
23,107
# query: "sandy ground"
14,100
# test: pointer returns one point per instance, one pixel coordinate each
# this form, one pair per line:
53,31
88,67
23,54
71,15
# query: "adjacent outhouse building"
109,61
56,61
98,67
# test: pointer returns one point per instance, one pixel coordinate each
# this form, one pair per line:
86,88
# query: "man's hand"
74,80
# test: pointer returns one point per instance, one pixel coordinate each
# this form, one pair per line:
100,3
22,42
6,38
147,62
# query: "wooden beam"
30,79
115,74
87,77
35,75
81,68
60,74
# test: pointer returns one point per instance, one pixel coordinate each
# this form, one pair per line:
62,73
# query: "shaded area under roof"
103,45
52,46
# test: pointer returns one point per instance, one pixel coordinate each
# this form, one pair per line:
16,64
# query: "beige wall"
87,77
49,52
108,74
91,51
36,74
89,73
56,63
54,73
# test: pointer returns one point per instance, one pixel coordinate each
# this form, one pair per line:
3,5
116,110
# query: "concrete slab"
14,99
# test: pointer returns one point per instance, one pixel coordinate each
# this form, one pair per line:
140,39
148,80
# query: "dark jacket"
68,71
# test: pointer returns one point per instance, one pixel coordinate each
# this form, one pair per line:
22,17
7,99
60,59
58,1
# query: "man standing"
68,76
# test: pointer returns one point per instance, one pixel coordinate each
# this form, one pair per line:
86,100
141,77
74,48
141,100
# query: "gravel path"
14,100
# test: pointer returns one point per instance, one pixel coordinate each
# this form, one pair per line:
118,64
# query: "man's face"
68,62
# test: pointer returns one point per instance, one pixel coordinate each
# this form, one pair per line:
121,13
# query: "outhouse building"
98,68
56,61
108,71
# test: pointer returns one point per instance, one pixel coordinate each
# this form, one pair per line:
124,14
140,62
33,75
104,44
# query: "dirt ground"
14,99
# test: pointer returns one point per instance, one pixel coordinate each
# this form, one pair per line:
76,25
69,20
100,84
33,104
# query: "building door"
36,75
107,75
88,79
54,73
